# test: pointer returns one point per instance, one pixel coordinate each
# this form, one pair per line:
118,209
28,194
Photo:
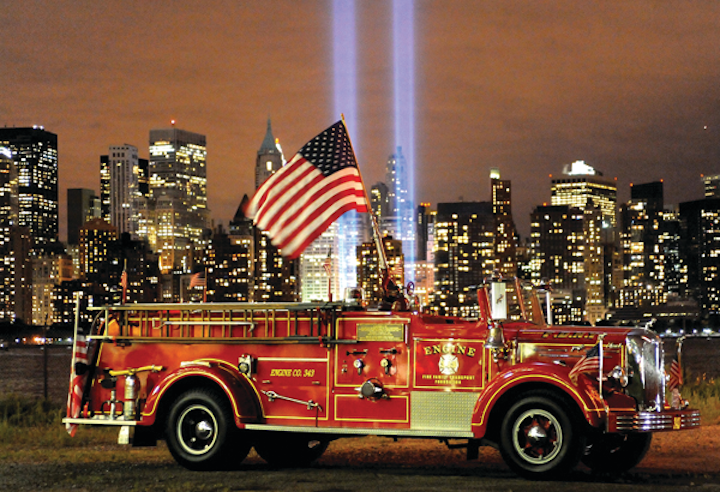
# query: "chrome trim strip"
654,422
100,421
362,431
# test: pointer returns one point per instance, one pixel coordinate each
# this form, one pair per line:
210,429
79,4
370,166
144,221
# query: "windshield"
513,300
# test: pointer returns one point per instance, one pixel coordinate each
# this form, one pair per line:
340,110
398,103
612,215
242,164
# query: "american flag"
319,184
198,280
327,264
124,285
77,382
676,379
588,363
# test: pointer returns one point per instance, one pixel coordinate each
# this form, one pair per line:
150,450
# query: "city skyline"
525,88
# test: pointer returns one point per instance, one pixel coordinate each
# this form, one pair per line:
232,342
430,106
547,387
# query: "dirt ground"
676,461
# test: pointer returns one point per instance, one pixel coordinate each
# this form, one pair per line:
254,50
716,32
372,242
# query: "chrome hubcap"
537,436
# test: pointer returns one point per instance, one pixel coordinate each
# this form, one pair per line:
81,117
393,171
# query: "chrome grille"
645,365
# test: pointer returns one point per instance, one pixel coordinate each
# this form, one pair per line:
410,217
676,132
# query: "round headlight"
618,374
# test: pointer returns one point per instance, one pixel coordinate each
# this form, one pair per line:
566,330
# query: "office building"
368,269
464,255
83,205
177,214
585,188
700,248
504,243
35,154
124,186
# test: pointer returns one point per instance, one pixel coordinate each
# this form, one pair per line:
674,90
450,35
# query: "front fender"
534,375
241,393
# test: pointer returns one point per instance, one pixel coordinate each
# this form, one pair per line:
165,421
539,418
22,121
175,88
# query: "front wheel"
201,434
538,438
285,449
616,453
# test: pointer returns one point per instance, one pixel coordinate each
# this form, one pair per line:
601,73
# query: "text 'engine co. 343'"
214,380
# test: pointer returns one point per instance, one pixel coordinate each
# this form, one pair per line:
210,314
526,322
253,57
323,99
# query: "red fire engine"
214,380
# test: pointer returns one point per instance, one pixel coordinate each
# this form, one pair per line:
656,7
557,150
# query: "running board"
429,433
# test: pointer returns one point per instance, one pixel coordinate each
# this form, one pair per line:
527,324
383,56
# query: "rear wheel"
538,438
201,434
285,449
616,453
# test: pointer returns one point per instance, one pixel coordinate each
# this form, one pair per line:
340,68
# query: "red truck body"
213,380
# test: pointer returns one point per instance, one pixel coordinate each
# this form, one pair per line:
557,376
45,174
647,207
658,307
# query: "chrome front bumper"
667,420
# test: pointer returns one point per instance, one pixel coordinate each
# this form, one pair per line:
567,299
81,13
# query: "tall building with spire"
269,157
275,278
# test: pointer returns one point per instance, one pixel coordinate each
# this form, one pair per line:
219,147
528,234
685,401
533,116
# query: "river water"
22,369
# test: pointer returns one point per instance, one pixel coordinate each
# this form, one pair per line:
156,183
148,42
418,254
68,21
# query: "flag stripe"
286,189
198,280
315,200
77,382
294,198
344,201
274,186
675,380
308,235
588,363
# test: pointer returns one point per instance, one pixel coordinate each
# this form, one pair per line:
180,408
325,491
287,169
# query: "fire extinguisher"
132,389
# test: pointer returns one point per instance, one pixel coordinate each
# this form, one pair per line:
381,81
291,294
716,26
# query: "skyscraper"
464,255
701,249
643,238
400,222
177,212
269,157
124,188
14,265
583,187
557,235
712,186
274,278
35,155
83,205
505,244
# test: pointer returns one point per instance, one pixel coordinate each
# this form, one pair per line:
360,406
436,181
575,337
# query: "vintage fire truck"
214,380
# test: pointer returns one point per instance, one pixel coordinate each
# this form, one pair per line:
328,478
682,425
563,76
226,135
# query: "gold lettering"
460,350
471,352
428,350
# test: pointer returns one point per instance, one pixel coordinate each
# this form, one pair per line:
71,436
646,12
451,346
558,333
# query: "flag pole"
376,228
124,282
206,286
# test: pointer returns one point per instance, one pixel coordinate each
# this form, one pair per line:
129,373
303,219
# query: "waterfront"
21,368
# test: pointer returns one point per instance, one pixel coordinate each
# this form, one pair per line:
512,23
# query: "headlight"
619,375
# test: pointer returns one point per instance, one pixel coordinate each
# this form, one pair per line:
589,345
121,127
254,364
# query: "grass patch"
28,422
704,394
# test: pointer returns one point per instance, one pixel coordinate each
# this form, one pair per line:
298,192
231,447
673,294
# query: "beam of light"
345,102
404,111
